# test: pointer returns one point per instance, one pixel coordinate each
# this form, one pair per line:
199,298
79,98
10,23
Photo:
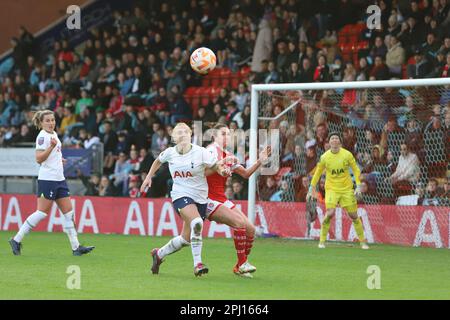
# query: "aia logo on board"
182,174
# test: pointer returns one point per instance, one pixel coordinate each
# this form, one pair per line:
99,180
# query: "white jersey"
52,168
188,172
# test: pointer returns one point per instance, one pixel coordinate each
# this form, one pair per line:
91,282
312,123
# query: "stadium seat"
235,79
225,77
204,93
214,77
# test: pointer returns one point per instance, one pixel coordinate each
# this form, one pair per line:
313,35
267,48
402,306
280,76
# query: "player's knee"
239,222
197,226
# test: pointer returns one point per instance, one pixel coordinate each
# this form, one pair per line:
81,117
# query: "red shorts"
213,205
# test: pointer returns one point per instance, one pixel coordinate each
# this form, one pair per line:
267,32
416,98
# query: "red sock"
239,238
249,245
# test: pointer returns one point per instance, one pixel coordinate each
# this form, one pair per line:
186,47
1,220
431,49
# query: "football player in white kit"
187,164
52,185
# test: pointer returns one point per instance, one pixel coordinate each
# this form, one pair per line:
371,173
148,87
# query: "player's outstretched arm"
42,155
147,183
247,172
317,173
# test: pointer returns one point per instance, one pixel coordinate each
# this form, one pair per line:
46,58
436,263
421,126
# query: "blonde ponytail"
39,116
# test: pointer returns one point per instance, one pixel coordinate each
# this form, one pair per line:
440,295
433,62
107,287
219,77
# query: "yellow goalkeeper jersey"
337,166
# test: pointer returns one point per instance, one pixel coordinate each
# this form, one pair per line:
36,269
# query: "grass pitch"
119,268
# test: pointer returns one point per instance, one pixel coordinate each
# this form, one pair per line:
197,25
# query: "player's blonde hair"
179,125
39,117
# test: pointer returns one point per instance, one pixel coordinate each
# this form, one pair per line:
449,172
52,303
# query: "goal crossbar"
254,104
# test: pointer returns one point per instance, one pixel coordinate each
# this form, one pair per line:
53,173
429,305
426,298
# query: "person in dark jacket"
91,185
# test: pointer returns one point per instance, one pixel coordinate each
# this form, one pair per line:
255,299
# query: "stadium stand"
130,82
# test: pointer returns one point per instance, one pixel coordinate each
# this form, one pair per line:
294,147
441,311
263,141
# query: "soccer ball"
203,60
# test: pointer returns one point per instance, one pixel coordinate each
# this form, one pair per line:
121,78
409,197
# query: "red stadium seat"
214,92
203,94
206,81
235,79
214,77
225,77
354,39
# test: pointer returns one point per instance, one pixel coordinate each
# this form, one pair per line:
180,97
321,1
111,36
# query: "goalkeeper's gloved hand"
358,191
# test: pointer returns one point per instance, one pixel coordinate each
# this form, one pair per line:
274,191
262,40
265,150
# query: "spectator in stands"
160,140
268,189
307,71
264,43
92,184
293,74
242,97
272,74
363,71
121,170
284,194
133,190
229,193
430,47
311,157
379,70
379,49
25,134
367,196
446,68
432,194
106,188
239,193
179,109
336,70
133,160
407,170
395,57
421,68
69,119
322,72
391,136
301,194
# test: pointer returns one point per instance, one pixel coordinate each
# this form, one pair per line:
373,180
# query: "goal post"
343,105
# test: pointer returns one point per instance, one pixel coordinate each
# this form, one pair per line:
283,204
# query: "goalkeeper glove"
358,191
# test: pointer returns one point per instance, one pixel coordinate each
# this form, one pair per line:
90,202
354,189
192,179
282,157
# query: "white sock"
172,246
31,222
69,229
196,239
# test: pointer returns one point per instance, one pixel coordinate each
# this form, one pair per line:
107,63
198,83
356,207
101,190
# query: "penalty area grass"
119,268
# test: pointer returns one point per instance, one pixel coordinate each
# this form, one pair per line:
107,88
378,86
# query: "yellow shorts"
345,199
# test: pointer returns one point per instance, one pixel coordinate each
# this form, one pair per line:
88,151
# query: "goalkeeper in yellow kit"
338,186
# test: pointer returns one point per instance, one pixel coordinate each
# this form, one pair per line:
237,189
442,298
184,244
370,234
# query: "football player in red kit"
222,210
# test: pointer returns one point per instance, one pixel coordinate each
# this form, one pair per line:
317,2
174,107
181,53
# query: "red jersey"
216,183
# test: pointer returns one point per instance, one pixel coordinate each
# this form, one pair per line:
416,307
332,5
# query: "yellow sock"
324,229
357,224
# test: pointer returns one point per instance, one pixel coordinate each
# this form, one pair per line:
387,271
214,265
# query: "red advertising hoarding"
403,225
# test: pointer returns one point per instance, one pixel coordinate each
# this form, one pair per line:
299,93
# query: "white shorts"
213,205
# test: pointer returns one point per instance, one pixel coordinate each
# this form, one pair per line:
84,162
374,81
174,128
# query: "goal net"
398,131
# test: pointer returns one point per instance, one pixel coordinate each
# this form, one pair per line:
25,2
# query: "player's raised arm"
42,154
356,173
317,174
147,183
247,172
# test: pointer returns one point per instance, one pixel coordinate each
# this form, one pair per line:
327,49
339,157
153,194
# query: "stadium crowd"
125,87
